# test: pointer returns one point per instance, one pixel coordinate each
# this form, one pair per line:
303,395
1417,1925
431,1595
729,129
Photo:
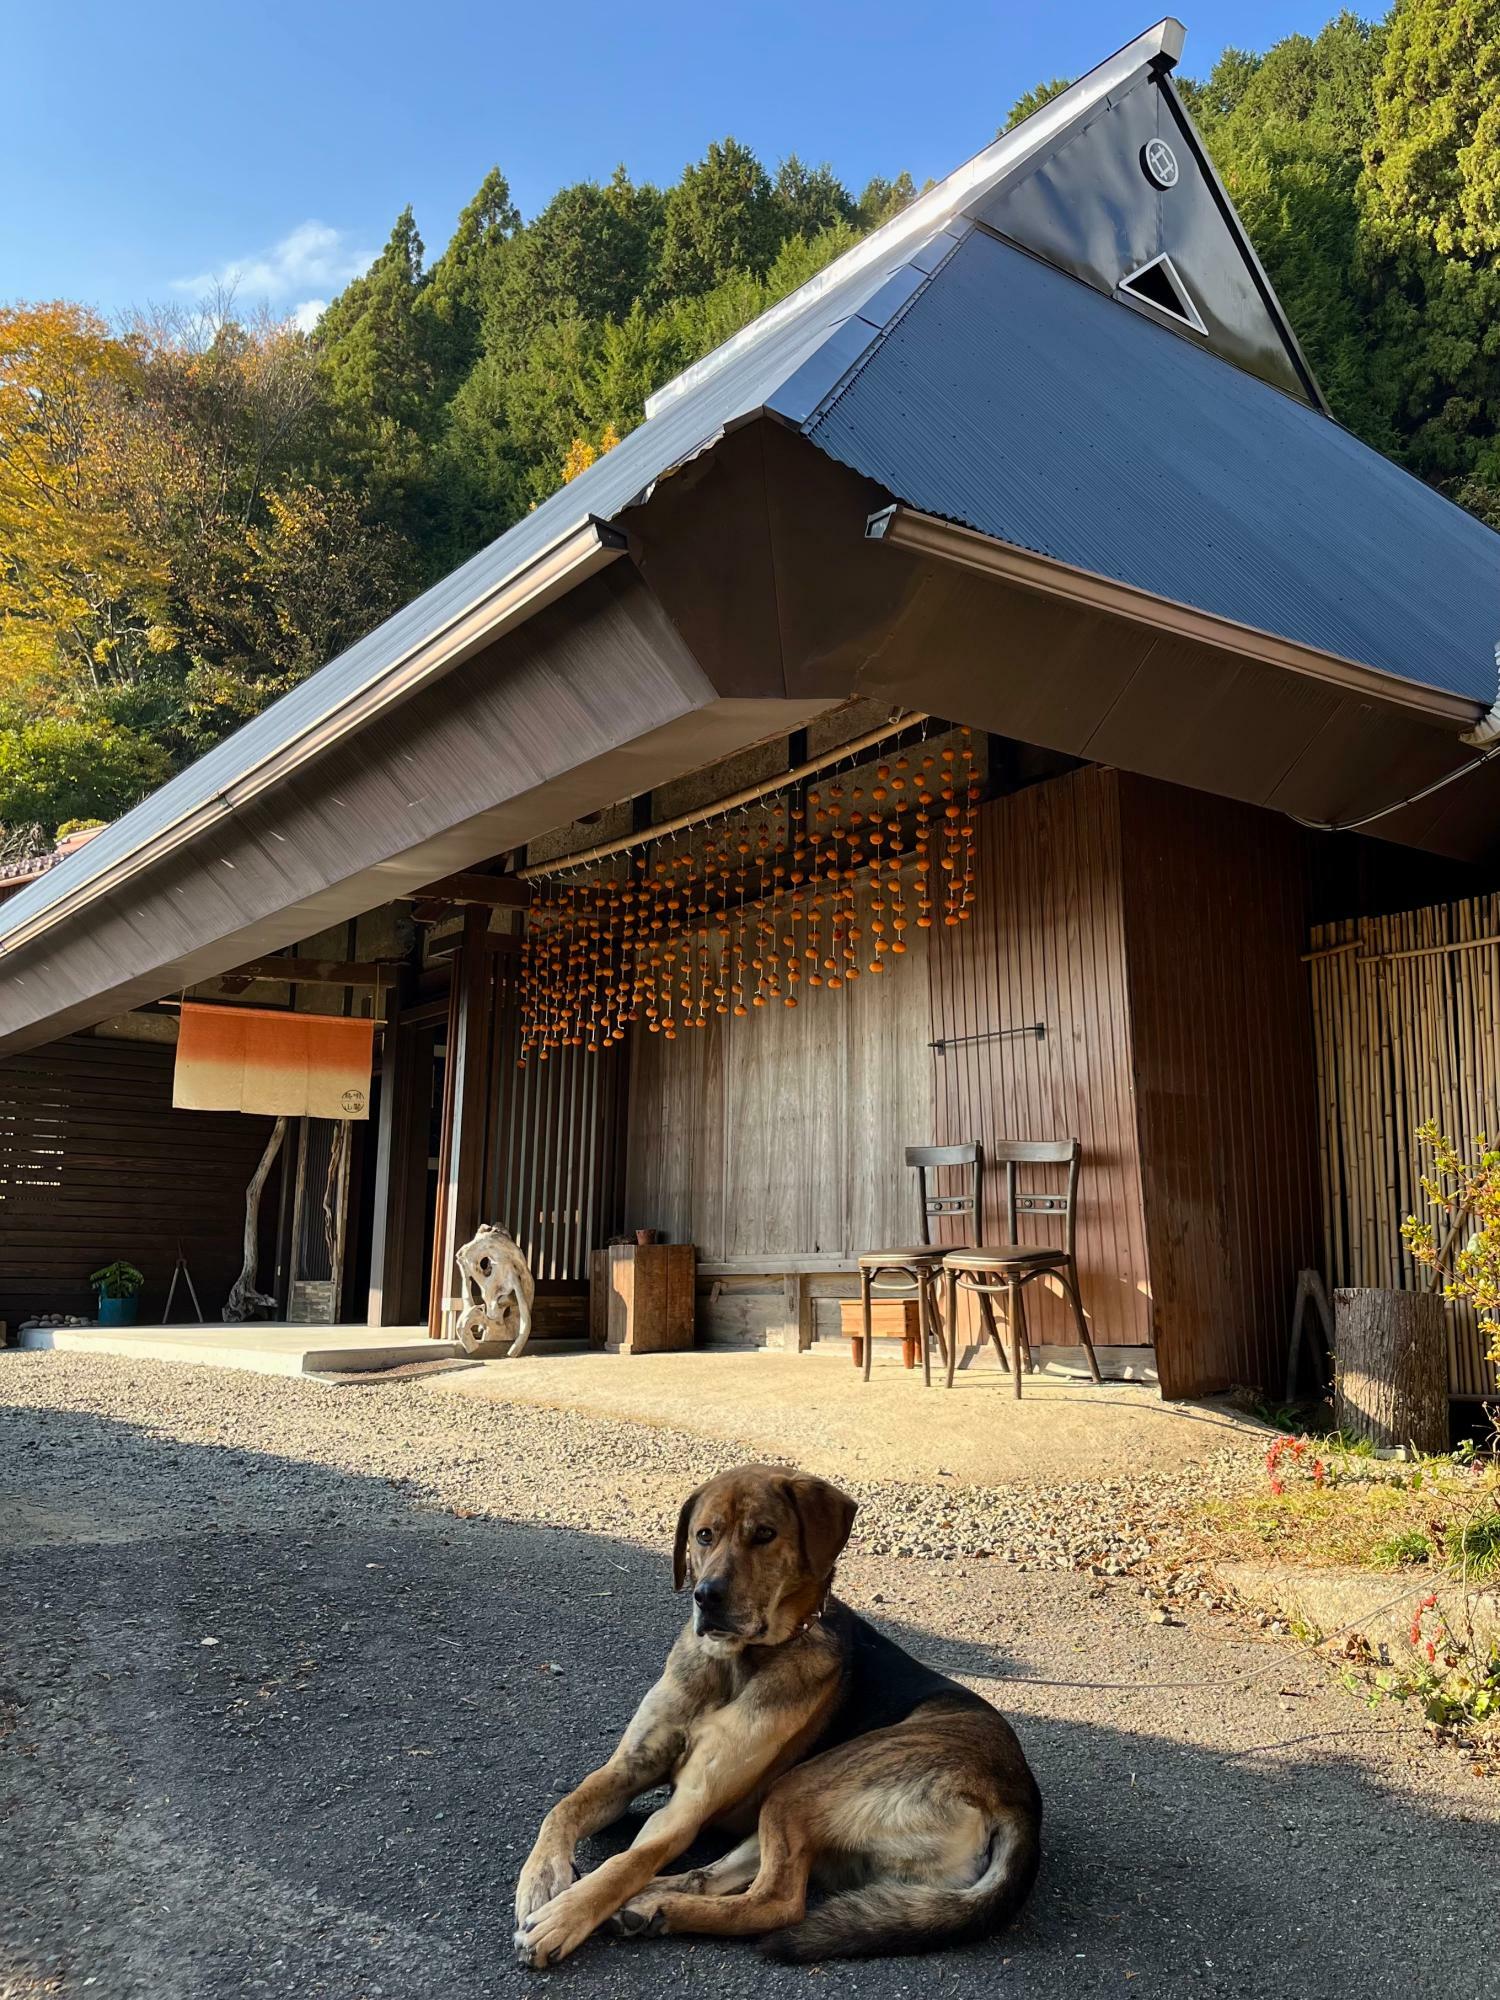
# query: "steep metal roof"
794,354
1021,402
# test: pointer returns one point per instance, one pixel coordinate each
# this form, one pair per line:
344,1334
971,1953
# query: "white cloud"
306,316
311,255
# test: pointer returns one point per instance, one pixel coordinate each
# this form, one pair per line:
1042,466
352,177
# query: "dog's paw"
554,1931
543,1877
642,1916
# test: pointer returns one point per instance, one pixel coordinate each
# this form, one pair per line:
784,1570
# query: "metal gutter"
929,535
549,576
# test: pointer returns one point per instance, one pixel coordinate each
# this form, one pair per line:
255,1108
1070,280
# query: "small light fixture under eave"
1158,285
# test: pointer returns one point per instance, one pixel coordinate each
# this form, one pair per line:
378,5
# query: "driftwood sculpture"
498,1289
244,1301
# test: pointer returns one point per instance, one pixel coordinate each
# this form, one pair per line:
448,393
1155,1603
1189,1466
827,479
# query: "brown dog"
786,1720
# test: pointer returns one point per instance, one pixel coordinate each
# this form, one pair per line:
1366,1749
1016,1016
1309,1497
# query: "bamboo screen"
1406,1026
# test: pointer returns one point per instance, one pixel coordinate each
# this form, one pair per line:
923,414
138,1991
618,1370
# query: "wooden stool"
908,1273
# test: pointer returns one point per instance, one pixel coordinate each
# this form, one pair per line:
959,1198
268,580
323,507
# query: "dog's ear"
825,1516
679,1546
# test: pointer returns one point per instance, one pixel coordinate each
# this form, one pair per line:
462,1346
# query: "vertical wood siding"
781,1135
1215,918
1046,944
1401,1040
553,1152
95,1164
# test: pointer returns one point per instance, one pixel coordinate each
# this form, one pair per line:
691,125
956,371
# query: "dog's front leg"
730,1757
644,1756
560,1926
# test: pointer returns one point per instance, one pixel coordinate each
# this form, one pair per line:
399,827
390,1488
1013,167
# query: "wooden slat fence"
1405,1014
96,1164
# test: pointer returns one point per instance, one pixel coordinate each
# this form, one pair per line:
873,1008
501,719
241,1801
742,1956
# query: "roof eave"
900,526
579,554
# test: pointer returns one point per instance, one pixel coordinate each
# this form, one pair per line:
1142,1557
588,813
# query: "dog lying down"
829,1755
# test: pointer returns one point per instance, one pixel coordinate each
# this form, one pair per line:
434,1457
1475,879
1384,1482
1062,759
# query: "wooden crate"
890,1319
642,1297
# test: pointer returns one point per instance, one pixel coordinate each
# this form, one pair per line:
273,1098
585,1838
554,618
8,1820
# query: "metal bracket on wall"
1037,1029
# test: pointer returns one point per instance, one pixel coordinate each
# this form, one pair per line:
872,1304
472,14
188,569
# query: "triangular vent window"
1158,285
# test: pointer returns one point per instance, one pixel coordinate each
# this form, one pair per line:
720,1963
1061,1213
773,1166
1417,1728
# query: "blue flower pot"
117,1312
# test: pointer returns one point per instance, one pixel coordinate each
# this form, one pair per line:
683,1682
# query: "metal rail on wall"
1036,1029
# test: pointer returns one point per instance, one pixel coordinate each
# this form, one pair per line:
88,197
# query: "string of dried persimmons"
762,903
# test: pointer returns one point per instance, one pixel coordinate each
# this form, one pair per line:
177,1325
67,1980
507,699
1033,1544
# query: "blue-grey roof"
1025,404
976,383
799,349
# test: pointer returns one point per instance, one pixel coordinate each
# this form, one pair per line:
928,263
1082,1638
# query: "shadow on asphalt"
302,1747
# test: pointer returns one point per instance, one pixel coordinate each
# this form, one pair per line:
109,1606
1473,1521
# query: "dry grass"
1437,1516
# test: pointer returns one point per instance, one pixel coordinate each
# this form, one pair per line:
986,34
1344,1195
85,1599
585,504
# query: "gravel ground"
289,1673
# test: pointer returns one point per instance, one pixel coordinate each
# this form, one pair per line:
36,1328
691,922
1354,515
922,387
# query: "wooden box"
642,1297
890,1319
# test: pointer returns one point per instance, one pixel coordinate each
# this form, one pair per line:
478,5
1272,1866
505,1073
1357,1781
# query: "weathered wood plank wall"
1046,945
781,1135
95,1164
1401,1039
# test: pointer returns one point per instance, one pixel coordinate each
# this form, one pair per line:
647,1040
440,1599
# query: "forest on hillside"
197,510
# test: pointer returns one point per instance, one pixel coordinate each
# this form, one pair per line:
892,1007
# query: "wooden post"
797,1325
465,1088
400,1161
1390,1367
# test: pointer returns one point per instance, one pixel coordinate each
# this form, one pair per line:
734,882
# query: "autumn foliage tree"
165,566
196,511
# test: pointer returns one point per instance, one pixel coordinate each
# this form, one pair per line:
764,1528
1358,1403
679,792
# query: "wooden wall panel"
1215,923
95,1164
780,1136
1046,945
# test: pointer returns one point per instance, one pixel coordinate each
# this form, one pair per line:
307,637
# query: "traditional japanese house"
1036,475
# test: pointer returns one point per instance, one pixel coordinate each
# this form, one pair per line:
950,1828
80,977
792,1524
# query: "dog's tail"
890,1917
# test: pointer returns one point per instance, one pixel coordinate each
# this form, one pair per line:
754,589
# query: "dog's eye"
764,1533
705,1536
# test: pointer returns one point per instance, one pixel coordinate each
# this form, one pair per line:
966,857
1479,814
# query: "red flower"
1317,1472
1431,1650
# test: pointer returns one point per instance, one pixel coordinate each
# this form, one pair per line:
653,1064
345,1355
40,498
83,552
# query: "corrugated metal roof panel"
1021,402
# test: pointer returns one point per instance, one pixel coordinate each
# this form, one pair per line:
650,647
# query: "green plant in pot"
118,1286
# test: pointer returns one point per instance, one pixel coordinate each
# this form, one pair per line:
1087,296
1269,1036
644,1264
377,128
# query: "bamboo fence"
1406,1029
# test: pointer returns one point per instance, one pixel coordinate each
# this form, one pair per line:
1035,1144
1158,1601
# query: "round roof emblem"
1159,163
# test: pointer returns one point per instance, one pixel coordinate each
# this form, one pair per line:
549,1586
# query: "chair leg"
1024,1328
1070,1283
924,1329
1013,1312
987,1314
864,1315
935,1314
952,1317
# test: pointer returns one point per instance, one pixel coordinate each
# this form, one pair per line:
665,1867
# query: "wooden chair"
911,1272
1006,1269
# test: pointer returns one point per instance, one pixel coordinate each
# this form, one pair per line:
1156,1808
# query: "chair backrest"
1018,1153
926,1160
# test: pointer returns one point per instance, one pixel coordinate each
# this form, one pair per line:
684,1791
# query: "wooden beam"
314,972
498,944
494,892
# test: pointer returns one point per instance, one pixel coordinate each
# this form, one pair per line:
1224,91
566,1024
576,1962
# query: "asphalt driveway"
272,1728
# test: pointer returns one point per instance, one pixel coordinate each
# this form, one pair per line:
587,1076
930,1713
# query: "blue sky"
148,149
